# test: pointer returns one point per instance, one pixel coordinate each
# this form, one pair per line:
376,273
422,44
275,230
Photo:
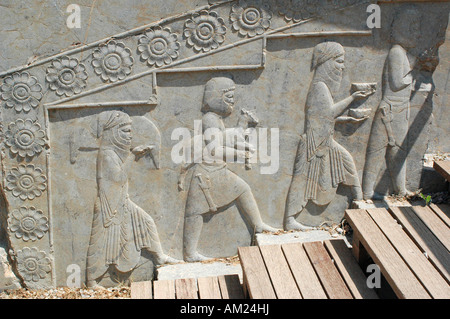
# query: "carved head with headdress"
219,96
114,129
328,63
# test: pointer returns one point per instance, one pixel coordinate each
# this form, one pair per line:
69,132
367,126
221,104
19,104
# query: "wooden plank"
303,272
164,289
424,238
141,290
186,288
443,168
434,223
256,278
403,282
282,279
349,269
430,278
230,287
208,288
329,276
443,211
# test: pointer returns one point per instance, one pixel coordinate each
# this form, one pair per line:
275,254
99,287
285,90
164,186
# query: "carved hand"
346,119
362,94
141,150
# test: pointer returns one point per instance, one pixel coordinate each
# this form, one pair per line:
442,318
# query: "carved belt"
386,115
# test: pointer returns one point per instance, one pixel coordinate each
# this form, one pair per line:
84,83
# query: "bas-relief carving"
33,264
250,18
321,163
121,231
28,223
212,185
21,91
120,228
388,138
112,61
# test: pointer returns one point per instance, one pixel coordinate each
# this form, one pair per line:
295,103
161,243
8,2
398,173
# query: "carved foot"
374,196
265,227
292,224
406,193
195,258
166,259
359,203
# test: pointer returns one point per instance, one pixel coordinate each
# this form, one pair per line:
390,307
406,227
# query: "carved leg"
192,229
375,156
357,193
374,159
397,169
250,208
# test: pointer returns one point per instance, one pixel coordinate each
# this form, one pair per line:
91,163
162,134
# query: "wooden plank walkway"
312,270
443,168
409,245
217,287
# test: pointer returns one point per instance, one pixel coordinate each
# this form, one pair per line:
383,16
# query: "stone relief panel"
321,164
293,91
212,185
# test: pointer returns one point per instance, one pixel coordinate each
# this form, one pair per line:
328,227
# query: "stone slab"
298,237
197,270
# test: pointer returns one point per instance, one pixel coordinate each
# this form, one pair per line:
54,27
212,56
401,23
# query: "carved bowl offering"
365,87
359,113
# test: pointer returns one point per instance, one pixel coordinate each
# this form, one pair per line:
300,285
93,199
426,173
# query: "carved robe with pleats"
321,164
120,228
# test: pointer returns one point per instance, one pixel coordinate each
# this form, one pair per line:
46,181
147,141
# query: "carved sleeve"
111,179
217,146
398,78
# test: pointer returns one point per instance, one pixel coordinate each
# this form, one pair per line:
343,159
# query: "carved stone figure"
388,137
212,185
321,164
120,228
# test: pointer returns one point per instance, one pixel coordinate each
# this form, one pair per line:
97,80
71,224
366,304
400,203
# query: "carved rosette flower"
158,46
28,223
33,264
21,91
250,18
25,138
26,181
205,31
112,61
66,76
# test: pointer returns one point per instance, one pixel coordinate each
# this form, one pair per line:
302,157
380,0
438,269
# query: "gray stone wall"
275,90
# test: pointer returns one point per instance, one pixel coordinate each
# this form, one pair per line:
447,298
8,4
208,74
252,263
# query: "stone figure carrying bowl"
321,164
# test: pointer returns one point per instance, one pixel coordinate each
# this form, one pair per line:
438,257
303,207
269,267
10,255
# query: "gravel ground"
68,293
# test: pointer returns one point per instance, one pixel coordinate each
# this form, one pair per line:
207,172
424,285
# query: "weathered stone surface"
98,184
299,237
198,270
8,279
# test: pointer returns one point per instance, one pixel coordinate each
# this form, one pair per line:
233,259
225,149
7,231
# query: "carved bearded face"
329,64
331,73
335,67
